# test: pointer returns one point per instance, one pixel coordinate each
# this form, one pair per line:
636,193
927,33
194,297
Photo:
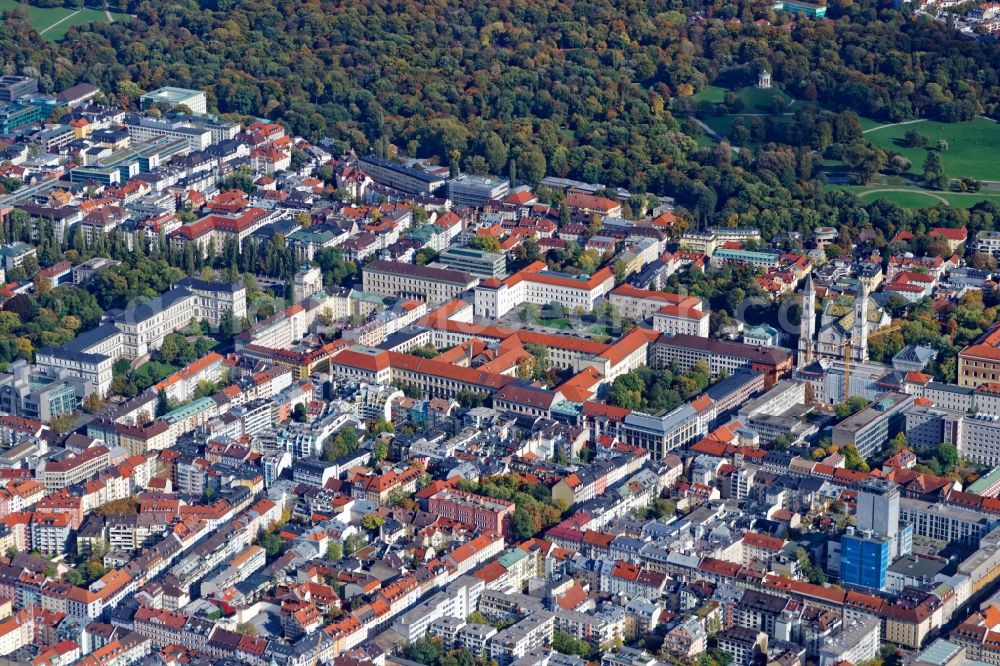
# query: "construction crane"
847,364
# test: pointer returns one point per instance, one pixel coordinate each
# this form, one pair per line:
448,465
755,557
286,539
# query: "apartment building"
514,642
458,599
15,254
988,242
182,385
134,531
433,285
50,533
379,488
858,642
483,512
759,610
742,643
631,580
58,474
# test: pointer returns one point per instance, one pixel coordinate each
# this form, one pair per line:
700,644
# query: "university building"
979,363
402,178
538,285
141,329
731,357
433,285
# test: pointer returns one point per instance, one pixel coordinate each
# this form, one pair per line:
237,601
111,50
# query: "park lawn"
706,141
560,324
915,197
757,100
155,370
40,18
600,329
85,17
721,124
909,199
869,123
45,19
713,94
971,150
724,124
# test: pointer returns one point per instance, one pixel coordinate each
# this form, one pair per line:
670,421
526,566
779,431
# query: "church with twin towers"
843,327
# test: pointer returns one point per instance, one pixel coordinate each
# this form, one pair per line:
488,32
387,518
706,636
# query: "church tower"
807,327
859,338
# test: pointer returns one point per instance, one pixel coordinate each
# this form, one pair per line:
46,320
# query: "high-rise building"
878,508
864,560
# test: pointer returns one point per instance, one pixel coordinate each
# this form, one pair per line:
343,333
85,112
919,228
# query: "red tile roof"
590,202
212,222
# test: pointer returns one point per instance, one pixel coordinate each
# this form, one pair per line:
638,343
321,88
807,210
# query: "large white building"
169,95
943,522
975,436
988,242
672,313
536,284
136,332
148,129
681,319
400,177
858,642
469,190
144,326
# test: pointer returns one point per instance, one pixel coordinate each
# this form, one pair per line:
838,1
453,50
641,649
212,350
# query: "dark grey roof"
418,174
204,285
154,306
730,384
77,91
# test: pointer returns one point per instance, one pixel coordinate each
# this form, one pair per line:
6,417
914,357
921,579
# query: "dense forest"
591,89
